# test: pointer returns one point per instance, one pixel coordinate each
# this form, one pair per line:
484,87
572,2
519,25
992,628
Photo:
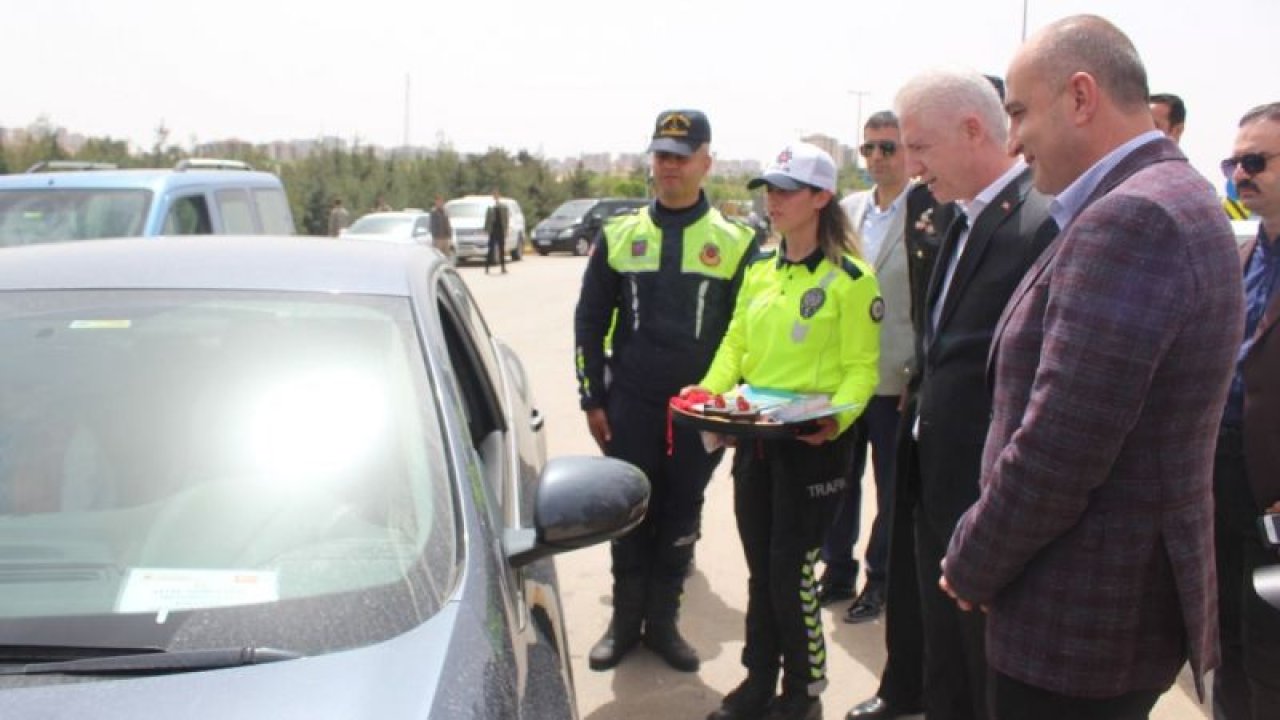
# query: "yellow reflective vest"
809,326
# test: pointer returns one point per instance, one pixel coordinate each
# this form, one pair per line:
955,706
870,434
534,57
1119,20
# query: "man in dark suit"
1091,545
496,220
1246,480
955,134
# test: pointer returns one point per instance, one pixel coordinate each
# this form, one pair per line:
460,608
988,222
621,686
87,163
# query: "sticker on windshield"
162,590
101,324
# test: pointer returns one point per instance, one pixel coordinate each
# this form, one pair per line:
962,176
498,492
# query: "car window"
53,214
274,208
254,460
236,212
473,364
188,215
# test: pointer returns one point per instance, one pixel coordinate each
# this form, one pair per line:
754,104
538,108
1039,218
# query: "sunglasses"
887,148
1251,163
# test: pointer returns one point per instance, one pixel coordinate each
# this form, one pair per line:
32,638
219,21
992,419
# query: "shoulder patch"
763,255
877,310
850,268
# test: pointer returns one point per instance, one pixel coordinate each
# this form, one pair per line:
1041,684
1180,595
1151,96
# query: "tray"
741,428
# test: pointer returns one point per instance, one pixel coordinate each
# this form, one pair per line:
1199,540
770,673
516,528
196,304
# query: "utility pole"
406,111
1024,20
857,131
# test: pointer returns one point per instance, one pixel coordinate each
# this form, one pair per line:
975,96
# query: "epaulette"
850,268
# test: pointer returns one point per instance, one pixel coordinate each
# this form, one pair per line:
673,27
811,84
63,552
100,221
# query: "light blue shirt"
1067,204
875,224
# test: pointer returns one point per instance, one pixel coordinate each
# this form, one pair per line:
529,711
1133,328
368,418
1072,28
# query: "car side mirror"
580,501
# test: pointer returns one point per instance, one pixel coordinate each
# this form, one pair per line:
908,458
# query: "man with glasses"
1246,479
878,215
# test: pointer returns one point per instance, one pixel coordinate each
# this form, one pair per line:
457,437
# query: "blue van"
56,202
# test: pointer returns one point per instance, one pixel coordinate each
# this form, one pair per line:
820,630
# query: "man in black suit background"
955,130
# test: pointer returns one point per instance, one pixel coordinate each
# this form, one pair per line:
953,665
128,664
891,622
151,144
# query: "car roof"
155,180
216,262
395,214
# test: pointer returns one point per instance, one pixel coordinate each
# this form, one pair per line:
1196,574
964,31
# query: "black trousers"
650,562
497,252
902,680
1246,686
955,659
1014,700
785,493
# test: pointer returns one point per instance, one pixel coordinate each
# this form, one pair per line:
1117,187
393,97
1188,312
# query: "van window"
236,212
274,209
188,216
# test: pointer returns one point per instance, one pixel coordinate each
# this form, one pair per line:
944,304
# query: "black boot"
662,637
748,701
795,706
621,638
624,627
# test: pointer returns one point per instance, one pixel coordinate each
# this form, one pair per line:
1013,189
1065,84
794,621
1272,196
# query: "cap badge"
675,125
710,255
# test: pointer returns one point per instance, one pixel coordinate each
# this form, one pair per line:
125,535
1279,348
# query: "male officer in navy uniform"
670,274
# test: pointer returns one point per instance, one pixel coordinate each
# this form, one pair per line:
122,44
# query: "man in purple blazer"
1091,545
1246,481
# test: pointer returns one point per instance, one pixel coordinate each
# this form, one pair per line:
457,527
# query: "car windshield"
382,225
28,217
471,210
190,469
573,209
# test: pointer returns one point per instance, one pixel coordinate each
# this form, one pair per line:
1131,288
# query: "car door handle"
537,420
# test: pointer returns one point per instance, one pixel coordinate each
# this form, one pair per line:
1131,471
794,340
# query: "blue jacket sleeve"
591,319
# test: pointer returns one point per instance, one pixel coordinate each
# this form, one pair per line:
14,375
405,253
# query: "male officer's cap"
680,132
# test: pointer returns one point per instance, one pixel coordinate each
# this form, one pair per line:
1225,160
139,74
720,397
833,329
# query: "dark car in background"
258,477
573,225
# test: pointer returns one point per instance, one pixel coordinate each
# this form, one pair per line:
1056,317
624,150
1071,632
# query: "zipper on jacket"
702,305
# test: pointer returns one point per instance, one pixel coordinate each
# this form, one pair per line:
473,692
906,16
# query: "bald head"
1090,44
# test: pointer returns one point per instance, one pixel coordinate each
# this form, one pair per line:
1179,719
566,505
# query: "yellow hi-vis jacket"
809,327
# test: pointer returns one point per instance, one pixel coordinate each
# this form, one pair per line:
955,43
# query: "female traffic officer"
806,320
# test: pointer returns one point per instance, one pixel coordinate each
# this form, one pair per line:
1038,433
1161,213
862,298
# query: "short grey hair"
948,93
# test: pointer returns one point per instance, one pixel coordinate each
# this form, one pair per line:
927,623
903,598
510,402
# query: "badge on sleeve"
811,302
639,248
877,309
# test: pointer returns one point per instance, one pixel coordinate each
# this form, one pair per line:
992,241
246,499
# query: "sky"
563,77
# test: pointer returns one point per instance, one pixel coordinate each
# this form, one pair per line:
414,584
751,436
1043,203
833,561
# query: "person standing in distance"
878,216
441,229
1091,545
1246,481
670,274
807,321
496,219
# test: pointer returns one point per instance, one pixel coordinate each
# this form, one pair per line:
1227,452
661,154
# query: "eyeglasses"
887,148
1251,163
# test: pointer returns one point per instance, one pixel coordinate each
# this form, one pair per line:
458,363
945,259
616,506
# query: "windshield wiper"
156,662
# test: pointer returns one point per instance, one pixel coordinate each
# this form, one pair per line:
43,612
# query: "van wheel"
517,252
581,246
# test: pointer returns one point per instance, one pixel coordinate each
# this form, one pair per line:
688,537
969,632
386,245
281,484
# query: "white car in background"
406,226
1245,230
466,215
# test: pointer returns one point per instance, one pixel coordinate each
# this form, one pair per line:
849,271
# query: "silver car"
277,478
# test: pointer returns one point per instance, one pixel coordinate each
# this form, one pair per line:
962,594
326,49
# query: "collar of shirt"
1067,204
666,217
875,224
973,208
811,261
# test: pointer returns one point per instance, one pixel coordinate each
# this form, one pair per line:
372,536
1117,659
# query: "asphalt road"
531,308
